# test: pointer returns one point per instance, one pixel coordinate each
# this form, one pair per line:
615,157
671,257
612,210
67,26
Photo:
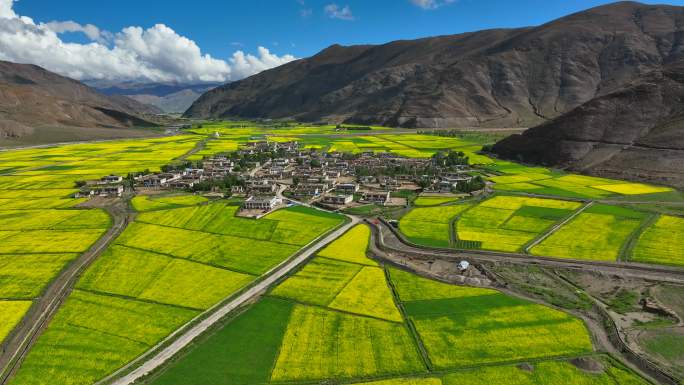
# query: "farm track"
556,228
44,308
608,340
389,240
145,365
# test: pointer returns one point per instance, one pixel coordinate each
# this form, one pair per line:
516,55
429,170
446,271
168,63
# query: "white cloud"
157,53
93,33
244,65
335,12
431,4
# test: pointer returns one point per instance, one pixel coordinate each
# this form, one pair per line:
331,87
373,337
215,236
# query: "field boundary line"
627,248
171,256
556,227
174,343
408,324
136,299
332,309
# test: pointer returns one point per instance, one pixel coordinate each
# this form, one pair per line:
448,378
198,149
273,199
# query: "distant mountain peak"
171,97
33,97
499,77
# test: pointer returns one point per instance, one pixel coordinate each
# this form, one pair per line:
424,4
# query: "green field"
246,350
93,334
461,326
430,226
25,275
156,277
322,344
433,200
539,180
304,336
343,278
507,223
11,313
35,245
164,202
341,322
41,229
339,317
611,227
351,247
663,242
545,373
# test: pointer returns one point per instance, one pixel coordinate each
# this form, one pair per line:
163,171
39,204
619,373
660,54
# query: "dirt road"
45,307
389,240
181,341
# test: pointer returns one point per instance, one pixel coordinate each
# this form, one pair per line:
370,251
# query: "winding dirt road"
389,240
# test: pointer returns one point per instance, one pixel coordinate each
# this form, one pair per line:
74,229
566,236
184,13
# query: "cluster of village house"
300,174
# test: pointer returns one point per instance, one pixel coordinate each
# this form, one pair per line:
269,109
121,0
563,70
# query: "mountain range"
33,99
601,88
167,97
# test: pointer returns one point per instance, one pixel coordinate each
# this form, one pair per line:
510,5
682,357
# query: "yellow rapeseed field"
351,247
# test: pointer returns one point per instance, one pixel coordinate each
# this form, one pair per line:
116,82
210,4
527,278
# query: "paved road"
45,307
183,340
389,241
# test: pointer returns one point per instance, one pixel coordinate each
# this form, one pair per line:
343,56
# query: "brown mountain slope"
516,77
635,132
32,98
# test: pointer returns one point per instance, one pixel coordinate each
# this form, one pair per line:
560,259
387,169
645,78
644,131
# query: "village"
269,174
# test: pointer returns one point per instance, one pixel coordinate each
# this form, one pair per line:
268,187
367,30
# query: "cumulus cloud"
335,12
431,4
244,65
156,54
91,31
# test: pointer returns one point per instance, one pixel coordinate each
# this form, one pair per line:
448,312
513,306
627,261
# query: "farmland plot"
25,275
433,200
11,313
242,353
158,278
405,381
610,226
484,326
545,373
663,242
540,180
342,322
92,335
147,203
507,223
41,232
321,344
368,294
318,282
154,277
351,247
340,279
430,226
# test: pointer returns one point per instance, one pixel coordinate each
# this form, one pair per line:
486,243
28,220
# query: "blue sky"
217,41
219,27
